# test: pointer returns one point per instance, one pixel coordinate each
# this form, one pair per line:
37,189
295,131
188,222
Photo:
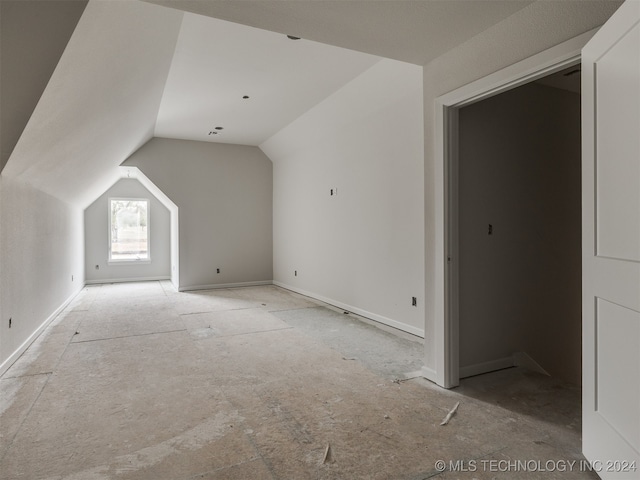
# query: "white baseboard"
430,374
372,316
123,280
518,359
486,367
214,286
522,359
22,348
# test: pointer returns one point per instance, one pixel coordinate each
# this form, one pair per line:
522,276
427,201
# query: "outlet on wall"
414,301
217,270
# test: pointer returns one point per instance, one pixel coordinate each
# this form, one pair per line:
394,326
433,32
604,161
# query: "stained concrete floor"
137,381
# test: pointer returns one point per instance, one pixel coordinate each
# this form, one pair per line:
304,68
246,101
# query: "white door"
611,246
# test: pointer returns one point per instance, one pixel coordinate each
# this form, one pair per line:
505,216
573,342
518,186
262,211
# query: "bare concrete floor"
136,381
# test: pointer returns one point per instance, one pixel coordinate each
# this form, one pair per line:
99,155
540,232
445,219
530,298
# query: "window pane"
129,233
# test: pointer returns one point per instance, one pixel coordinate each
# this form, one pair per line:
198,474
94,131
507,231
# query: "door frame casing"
446,329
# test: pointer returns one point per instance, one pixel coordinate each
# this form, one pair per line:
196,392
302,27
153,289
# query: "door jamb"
447,372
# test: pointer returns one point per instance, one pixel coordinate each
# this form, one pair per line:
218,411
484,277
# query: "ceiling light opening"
219,128
246,97
291,37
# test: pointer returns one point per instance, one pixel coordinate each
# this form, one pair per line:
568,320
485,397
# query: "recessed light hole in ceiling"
219,128
246,97
291,37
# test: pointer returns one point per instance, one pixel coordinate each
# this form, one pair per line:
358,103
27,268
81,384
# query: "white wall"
520,288
224,196
41,248
361,249
535,28
174,213
96,224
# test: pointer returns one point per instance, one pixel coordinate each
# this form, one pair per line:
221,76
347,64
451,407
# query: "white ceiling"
413,31
133,70
216,63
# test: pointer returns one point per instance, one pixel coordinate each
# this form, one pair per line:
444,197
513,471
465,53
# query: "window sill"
128,262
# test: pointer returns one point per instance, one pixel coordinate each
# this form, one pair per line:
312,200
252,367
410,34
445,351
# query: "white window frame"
118,261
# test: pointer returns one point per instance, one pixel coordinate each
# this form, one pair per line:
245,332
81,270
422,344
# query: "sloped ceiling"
42,31
101,102
413,31
136,69
217,63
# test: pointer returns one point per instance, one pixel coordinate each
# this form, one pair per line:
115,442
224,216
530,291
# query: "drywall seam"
215,286
123,280
371,316
11,359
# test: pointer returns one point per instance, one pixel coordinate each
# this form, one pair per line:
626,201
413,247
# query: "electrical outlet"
295,273
217,270
97,267
9,322
414,301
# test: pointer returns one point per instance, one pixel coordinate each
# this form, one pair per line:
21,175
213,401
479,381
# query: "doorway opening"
448,109
512,212
519,229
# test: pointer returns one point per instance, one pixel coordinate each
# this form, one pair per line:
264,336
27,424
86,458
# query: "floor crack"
129,336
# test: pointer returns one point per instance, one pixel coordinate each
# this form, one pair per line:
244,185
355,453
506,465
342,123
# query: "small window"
128,229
